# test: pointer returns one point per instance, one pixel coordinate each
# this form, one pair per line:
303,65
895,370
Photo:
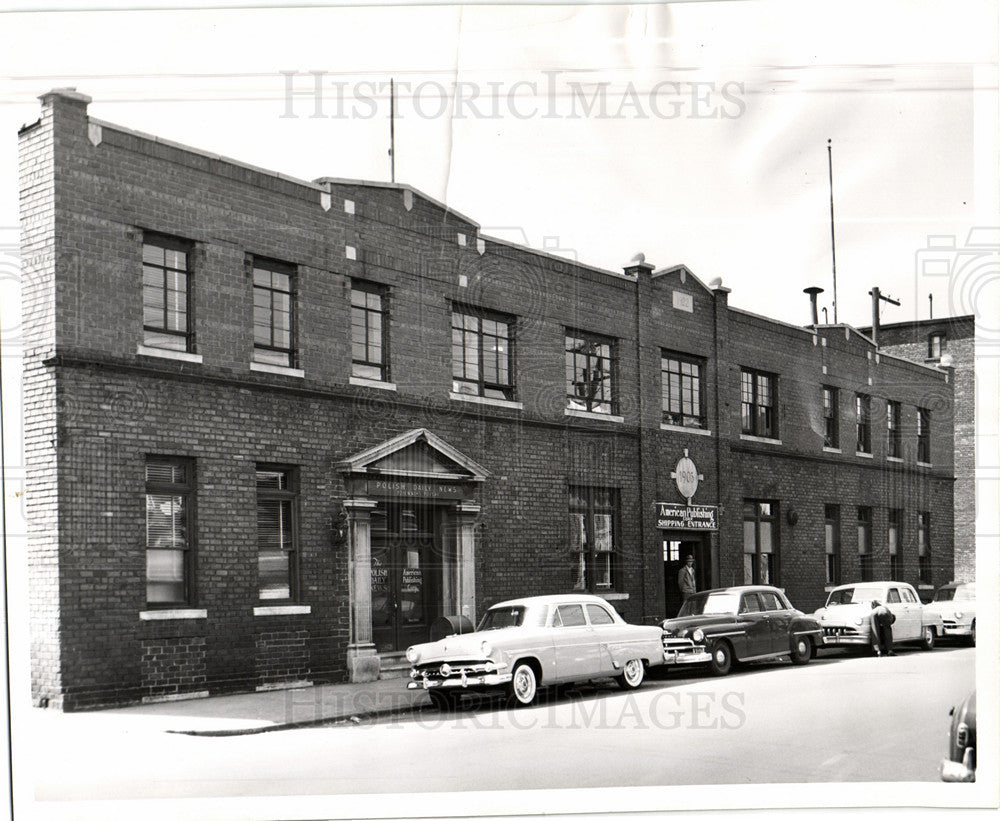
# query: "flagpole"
392,129
833,239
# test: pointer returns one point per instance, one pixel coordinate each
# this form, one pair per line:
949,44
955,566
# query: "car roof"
553,598
871,584
744,588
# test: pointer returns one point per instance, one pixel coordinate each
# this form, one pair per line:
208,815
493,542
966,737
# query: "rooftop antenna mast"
833,240
392,129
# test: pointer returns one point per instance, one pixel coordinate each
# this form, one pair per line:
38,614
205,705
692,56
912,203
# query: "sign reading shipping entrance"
686,517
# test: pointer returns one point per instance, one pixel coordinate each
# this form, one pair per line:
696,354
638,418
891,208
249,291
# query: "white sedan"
846,618
524,644
956,604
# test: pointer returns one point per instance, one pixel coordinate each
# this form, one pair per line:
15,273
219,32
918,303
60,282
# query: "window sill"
604,417
863,455
361,382
831,450
485,400
283,610
609,596
280,370
682,429
925,464
898,459
170,615
166,353
746,437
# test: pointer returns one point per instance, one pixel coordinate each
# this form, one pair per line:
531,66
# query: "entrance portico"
411,515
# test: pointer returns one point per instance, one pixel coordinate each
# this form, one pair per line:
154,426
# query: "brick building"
951,340
276,428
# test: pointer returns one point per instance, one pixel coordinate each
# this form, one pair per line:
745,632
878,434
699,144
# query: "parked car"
846,618
956,604
960,765
525,644
735,624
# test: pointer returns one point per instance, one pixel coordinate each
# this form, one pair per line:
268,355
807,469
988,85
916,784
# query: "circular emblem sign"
686,477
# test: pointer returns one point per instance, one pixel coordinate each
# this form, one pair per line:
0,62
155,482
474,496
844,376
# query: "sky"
691,132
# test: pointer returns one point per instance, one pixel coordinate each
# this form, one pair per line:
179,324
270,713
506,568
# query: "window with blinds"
276,534
169,532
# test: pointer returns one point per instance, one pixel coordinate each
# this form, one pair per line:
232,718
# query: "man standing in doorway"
685,579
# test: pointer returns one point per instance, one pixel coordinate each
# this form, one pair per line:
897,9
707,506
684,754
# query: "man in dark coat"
882,619
685,579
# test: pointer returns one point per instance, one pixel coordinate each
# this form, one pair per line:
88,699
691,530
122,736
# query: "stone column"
362,659
466,515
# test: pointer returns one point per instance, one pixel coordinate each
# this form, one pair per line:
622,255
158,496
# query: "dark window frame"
462,332
893,422
167,244
282,269
863,411
585,556
600,394
289,495
866,549
759,403
186,489
678,389
937,342
363,367
758,518
924,566
832,543
923,435
831,417
894,542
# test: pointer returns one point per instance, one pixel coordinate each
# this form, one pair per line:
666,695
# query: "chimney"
813,291
637,264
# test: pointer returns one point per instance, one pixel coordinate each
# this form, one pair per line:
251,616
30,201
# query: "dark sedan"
735,624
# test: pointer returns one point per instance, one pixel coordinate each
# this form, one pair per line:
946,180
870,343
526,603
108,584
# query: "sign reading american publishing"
686,517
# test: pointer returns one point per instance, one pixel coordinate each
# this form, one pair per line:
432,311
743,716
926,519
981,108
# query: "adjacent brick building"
275,428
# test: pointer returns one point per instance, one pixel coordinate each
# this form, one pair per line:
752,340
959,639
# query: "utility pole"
877,296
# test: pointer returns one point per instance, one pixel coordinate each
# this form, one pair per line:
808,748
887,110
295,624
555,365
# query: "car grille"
950,623
452,669
677,644
962,736
840,631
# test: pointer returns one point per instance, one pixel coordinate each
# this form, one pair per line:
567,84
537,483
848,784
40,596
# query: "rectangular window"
935,345
863,408
169,530
759,417
277,547
760,542
273,313
831,417
924,547
482,354
166,293
590,372
682,391
895,538
893,412
369,331
923,435
865,543
832,544
593,537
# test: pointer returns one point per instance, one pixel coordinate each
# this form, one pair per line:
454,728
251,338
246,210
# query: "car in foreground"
956,604
525,644
734,624
960,765
846,617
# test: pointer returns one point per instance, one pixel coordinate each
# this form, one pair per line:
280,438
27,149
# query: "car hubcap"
632,670
524,686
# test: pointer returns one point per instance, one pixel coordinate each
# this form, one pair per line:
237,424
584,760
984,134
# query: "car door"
576,646
913,615
756,627
607,632
902,628
779,618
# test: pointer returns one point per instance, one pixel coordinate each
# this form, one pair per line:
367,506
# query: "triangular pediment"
419,454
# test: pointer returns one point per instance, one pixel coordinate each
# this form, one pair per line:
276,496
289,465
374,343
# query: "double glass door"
404,585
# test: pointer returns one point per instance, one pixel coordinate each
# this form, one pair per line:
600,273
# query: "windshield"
854,595
945,594
500,617
706,604
966,592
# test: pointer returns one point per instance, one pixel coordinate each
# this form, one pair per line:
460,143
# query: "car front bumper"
846,641
684,651
950,628
959,771
460,682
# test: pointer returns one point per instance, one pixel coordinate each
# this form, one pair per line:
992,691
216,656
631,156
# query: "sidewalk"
260,712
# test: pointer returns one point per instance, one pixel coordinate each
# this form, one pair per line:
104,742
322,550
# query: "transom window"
369,331
831,417
760,542
276,533
593,537
273,313
758,403
482,354
683,397
166,293
169,530
863,409
590,372
893,415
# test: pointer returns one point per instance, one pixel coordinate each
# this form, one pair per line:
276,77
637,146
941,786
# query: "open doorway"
676,548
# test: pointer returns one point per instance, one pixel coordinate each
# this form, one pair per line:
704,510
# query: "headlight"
698,635
412,655
446,669
958,614
486,648
859,622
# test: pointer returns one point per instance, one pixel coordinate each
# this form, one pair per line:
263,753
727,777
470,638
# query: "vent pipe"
813,292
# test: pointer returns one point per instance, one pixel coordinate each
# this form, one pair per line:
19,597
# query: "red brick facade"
99,403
